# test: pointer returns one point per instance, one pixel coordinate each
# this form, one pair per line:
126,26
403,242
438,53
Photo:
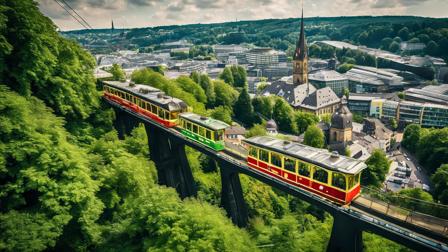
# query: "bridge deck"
370,222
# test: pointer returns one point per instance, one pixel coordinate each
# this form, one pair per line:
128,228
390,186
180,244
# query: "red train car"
145,100
316,170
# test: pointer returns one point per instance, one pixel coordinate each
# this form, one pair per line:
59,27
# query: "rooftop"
319,157
326,75
207,122
235,130
150,93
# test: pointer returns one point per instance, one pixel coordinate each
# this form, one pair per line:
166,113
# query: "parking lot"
396,180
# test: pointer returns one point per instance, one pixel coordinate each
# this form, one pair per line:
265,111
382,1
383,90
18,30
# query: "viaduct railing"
168,153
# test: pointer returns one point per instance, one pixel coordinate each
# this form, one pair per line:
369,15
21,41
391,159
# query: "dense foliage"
385,32
54,69
314,137
377,168
431,149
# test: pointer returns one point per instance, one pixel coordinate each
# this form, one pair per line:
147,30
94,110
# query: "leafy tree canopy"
314,137
34,59
377,168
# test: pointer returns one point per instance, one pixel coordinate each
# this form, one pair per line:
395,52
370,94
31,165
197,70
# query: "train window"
264,156
154,109
208,134
253,152
290,165
304,169
357,178
188,126
160,113
276,159
174,115
218,135
320,175
195,128
351,181
201,131
338,180
167,115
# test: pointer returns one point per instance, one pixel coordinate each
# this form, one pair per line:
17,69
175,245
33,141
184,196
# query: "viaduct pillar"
172,165
232,199
346,235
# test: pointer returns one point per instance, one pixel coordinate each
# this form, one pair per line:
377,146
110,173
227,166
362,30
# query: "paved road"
418,177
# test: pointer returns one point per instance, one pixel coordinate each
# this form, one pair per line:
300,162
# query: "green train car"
204,130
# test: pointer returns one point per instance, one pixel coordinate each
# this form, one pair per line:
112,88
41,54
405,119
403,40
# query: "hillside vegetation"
384,32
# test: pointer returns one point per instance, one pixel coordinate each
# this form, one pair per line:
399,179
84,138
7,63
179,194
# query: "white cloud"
142,13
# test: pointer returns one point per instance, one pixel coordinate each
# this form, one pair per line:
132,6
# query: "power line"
63,7
76,13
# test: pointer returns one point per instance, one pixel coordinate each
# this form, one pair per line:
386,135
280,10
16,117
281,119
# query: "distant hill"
278,33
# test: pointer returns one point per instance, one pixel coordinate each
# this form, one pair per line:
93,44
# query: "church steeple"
301,48
300,58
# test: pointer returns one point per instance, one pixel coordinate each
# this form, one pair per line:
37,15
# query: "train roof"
319,157
207,122
151,94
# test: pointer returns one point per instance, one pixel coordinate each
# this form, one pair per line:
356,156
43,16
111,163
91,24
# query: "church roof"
320,98
293,94
301,50
298,96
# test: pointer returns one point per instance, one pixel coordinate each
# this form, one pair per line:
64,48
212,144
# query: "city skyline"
147,13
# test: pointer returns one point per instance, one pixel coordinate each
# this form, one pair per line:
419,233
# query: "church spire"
301,48
300,58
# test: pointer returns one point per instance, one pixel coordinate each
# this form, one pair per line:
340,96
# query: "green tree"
315,51
404,33
264,105
222,113
432,150
358,118
256,130
192,87
401,95
377,168
344,68
283,114
226,95
239,76
34,59
314,137
46,185
432,48
394,47
303,120
385,43
179,88
440,181
393,123
227,76
117,73
243,108
411,137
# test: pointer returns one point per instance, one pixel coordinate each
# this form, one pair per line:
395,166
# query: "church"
296,89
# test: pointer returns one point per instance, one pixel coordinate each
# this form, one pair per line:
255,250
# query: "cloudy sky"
143,13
